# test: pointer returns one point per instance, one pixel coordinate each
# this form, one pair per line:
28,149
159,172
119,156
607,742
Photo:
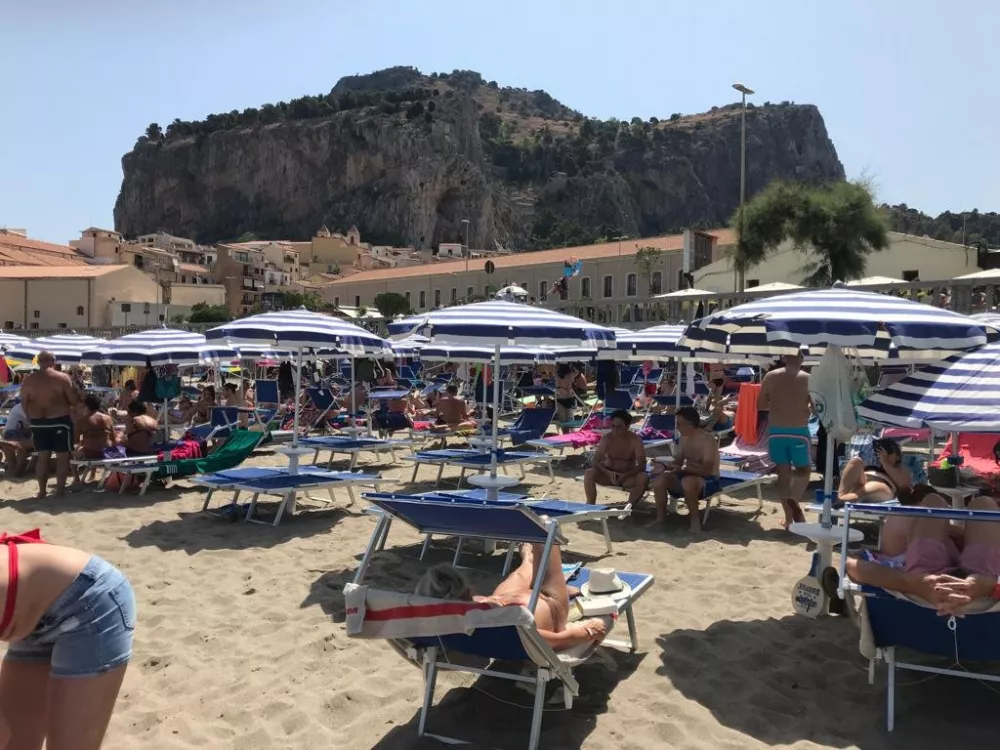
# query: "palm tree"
839,222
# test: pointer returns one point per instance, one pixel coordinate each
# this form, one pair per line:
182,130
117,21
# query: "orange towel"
746,413
976,449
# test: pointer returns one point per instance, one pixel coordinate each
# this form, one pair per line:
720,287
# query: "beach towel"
976,450
747,428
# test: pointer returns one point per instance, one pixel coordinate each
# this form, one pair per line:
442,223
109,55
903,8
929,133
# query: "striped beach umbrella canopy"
656,342
301,330
509,355
7,340
408,347
960,394
156,346
867,323
67,348
504,323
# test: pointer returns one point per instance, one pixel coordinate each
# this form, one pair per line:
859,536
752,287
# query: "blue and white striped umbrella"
505,323
961,394
300,330
408,347
865,322
7,340
157,346
656,342
67,348
509,355
989,318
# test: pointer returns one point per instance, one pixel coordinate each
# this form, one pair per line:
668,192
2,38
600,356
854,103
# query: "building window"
751,283
336,301
38,314
8,324
145,309
563,292
357,300
471,293
585,287
609,287
911,276
34,326
631,285
79,310
656,283
543,290
138,260
526,287
126,307
61,325
407,295
423,299
437,298
454,295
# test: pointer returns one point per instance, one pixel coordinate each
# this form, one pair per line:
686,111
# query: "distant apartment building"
331,251
240,270
99,245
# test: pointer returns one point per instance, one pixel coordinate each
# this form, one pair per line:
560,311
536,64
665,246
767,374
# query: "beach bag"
834,387
168,383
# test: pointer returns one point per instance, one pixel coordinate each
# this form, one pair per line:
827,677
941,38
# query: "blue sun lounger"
473,459
427,631
289,486
231,479
896,621
352,446
564,512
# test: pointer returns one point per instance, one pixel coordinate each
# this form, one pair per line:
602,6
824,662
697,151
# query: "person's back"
97,431
140,430
451,409
46,394
788,397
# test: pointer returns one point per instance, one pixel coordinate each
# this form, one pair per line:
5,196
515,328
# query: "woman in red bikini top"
68,618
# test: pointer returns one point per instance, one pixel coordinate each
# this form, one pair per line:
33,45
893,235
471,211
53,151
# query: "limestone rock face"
526,171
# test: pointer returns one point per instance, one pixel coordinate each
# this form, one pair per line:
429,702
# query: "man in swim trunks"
453,412
49,397
784,394
945,565
619,461
694,473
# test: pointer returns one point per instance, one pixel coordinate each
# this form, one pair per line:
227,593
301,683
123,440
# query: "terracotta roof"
673,242
11,256
18,242
57,272
193,268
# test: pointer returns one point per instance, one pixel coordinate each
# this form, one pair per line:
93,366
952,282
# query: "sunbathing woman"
551,610
69,619
140,430
875,484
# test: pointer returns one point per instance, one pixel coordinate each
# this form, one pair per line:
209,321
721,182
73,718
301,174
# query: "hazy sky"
907,87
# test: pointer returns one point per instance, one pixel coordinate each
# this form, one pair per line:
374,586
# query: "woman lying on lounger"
551,610
875,484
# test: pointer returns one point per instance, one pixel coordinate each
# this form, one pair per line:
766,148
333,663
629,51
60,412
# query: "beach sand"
241,643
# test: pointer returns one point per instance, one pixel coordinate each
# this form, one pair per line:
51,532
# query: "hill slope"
406,156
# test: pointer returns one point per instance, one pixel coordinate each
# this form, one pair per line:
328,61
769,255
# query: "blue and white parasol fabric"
656,342
156,346
505,323
961,394
509,355
67,348
302,330
408,347
867,323
8,340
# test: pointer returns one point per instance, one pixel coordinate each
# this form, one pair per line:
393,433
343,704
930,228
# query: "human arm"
639,456
600,451
575,634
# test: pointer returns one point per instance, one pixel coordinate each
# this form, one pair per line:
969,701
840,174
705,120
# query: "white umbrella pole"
298,396
677,387
482,384
354,407
496,407
831,449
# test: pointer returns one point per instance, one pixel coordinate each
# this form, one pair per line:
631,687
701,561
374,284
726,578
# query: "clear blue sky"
907,88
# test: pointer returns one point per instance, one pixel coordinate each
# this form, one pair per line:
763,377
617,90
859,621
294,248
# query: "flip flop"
829,581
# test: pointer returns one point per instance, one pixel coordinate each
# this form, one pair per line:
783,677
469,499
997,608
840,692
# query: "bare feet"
793,512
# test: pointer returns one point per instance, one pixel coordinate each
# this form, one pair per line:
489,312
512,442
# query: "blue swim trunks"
790,446
713,485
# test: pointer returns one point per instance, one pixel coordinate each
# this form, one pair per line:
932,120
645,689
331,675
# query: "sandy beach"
241,641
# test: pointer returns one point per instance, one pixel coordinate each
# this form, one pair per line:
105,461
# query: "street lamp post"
466,222
740,281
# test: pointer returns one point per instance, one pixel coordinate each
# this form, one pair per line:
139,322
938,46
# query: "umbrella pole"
496,408
354,406
294,460
677,387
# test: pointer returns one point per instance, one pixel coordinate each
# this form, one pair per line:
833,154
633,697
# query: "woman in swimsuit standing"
69,620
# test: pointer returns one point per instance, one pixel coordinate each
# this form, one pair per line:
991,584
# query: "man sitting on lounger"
946,566
694,474
875,484
453,412
551,609
16,444
619,461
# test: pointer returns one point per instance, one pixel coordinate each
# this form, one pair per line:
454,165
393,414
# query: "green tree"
839,222
308,300
202,312
648,260
391,304
153,132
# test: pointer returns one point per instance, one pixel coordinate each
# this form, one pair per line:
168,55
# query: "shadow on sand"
763,677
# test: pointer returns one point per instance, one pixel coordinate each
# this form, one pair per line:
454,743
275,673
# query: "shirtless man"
619,461
551,610
694,472
453,412
784,394
49,397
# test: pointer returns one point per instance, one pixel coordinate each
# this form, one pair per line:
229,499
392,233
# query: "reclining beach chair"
531,424
428,631
224,419
729,481
352,446
476,460
234,451
890,620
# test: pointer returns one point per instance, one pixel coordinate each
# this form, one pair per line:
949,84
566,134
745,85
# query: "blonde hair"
444,582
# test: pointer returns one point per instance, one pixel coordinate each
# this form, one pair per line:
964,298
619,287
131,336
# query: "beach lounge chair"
564,512
224,419
352,446
589,434
475,460
428,632
234,451
231,479
890,620
289,486
531,424
729,482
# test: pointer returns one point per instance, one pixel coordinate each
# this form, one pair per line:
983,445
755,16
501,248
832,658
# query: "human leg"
23,705
42,472
62,472
80,709
636,486
852,478
981,553
595,475
931,550
693,487
662,486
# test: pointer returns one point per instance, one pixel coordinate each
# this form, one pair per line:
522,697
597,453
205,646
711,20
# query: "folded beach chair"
234,451
430,632
352,446
476,460
564,512
890,620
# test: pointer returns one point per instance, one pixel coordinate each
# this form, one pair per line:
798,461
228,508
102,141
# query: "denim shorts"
88,630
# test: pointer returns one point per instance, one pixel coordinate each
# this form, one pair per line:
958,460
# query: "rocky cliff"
406,157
